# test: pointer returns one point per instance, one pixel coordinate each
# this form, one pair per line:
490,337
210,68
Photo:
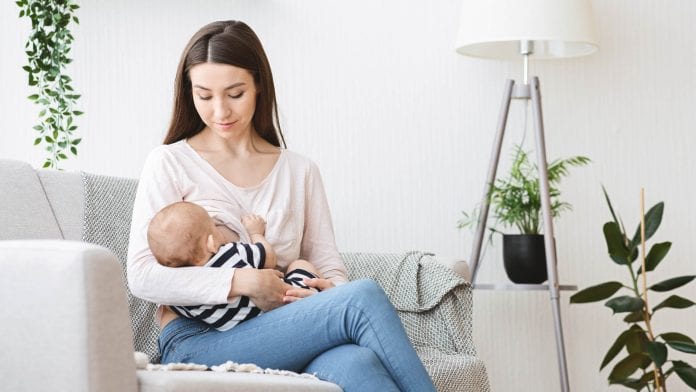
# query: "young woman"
225,152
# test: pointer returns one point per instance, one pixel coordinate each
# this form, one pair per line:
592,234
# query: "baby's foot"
254,224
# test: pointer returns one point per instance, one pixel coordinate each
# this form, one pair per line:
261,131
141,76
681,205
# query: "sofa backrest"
66,197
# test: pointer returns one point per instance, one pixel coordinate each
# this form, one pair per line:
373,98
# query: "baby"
184,235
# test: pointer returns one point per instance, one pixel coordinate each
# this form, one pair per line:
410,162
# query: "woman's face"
224,97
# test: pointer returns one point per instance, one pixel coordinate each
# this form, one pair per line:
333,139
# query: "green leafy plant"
646,353
516,200
47,52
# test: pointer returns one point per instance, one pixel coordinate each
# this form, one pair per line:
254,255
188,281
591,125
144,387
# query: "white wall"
401,127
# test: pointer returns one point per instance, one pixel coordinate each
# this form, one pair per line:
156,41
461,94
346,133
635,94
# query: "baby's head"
182,234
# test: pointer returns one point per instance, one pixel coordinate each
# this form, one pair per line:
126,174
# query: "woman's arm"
160,185
318,244
265,287
318,241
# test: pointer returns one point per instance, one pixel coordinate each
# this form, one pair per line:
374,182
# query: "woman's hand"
297,293
264,286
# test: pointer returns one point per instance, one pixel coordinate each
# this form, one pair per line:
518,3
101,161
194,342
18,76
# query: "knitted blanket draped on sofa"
435,305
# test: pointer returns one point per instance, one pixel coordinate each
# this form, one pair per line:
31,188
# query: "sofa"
70,323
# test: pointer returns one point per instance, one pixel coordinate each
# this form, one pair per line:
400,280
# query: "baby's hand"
254,224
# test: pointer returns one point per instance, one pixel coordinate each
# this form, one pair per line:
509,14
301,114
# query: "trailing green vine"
47,52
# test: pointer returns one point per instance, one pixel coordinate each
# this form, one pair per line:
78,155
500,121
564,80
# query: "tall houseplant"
47,52
646,363
516,203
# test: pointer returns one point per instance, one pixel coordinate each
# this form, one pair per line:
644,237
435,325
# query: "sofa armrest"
455,372
65,321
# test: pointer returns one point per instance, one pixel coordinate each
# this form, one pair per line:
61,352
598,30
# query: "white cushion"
208,381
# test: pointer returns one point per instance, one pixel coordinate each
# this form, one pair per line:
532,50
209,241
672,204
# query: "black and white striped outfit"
225,316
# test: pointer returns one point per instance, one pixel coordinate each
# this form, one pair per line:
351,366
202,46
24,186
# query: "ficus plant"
47,52
646,360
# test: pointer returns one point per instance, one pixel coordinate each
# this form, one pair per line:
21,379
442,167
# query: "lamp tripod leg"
549,245
475,257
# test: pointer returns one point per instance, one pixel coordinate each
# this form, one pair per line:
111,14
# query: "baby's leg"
298,270
305,265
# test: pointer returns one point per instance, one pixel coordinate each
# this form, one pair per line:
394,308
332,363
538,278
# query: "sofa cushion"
25,212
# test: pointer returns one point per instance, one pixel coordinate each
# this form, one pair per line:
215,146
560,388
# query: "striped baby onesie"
225,316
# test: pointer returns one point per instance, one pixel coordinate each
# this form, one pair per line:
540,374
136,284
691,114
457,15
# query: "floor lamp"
524,29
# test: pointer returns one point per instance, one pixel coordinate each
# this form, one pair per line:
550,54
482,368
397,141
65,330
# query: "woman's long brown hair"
233,43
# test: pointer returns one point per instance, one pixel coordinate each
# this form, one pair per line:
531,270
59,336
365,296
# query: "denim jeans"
350,335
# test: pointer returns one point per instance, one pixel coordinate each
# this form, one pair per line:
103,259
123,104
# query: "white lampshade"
557,28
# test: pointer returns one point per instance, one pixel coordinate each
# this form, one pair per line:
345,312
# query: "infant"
184,235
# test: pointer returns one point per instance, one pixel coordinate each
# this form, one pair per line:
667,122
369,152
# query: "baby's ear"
211,244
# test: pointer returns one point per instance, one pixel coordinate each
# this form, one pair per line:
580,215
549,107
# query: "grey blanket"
414,281
107,220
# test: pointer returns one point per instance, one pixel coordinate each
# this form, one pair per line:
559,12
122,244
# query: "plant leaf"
657,352
615,243
655,255
678,364
648,376
611,209
675,337
596,293
634,317
633,383
671,284
683,347
615,348
687,374
674,301
636,342
626,367
653,218
624,304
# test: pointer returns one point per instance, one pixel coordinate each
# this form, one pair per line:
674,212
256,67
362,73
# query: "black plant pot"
524,258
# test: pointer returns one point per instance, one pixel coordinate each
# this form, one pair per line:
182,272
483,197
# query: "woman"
223,152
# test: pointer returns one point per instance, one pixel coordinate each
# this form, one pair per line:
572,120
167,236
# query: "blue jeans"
350,335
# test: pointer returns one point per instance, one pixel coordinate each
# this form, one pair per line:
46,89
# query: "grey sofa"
70,324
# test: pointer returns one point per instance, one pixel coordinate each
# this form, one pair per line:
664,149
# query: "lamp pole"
531,92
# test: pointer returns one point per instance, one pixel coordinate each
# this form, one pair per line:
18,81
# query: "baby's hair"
177,233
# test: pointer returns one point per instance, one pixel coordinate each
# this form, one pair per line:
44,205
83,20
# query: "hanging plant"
47,52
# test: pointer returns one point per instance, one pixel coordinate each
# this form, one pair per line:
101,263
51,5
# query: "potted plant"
646,364
516,203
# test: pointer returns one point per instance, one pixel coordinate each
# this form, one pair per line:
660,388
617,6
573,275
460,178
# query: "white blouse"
291,199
